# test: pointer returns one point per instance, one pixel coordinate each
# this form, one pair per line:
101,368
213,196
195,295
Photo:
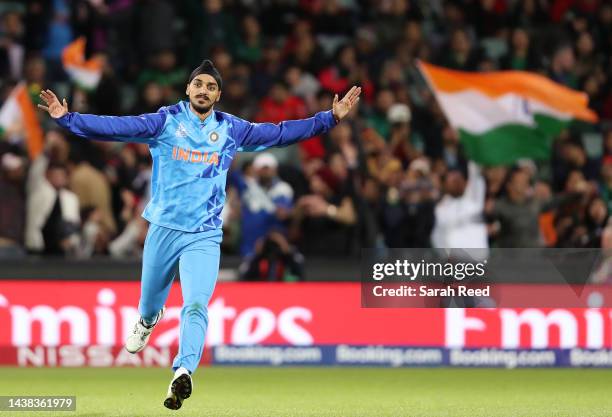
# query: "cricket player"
192,147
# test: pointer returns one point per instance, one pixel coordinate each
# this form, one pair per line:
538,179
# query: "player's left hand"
341,108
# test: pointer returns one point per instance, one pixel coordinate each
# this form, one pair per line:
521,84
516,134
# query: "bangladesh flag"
507,115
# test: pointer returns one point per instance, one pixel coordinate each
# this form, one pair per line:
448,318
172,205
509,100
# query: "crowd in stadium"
379,179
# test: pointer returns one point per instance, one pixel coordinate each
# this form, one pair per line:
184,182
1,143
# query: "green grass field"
286,392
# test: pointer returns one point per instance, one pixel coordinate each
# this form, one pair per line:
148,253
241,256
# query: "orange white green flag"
86,73
18,119
506,115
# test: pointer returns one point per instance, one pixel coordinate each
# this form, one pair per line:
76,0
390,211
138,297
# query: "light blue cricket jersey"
191,157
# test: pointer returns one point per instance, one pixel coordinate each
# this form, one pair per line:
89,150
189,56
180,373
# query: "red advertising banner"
103,313
100,314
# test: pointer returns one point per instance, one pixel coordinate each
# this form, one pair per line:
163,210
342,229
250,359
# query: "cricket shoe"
179,390
141,333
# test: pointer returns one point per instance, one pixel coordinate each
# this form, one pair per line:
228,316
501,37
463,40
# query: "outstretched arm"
259,136
475,188
122,128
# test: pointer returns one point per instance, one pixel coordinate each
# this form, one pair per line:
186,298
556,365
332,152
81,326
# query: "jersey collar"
194,118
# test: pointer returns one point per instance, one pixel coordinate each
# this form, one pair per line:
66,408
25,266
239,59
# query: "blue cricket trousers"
196,256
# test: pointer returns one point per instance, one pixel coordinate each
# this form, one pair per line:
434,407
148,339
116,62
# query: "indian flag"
507,115
18,119
85,73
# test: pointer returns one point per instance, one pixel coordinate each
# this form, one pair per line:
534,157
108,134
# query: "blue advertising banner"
404,356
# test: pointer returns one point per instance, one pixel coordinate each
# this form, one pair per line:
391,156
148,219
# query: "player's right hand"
53,107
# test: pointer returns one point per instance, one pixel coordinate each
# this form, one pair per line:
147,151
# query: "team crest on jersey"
214,136
180,131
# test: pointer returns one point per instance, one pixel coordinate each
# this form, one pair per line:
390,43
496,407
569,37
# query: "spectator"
94,237
36,20
390,17
459,214
274,260
399,117
208,25
153,34
280,105
105,99
489,18
460,53
573,157
378,119
323,220
131,240
35,74
12,51
606,182
521,55
586,58
562,68
496,178
236,98
366,43
151,98
303,85
346,72
303,50
250,44
342,144
570,218
333,23
607,143
603,31
530,14
603,273
517,213
408,211
165,73
223,59
597,218
12,205
59,34
93,190
267,202
52,219
268,70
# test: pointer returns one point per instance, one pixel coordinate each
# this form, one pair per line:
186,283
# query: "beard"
265,181
201,109
455,193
